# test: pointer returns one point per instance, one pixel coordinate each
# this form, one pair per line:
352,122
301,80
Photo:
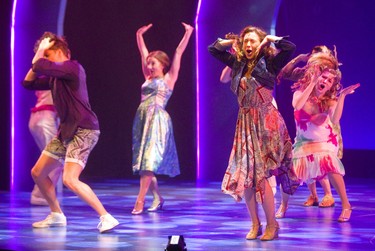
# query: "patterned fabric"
315,151
154,147
77,150
340,151
262,146
294,76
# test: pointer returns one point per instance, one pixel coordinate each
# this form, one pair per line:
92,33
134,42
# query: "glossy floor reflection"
208,220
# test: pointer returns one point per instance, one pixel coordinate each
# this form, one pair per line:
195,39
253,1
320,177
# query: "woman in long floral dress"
262,146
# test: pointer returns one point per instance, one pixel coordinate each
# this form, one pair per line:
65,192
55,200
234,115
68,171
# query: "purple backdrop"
102,38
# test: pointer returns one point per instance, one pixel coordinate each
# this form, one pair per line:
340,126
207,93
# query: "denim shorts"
77,150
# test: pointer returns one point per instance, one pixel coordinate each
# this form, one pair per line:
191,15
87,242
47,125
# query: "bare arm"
142,48
337,113
225,76
172,75
300,97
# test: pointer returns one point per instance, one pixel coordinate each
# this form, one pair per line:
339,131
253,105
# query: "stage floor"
207,218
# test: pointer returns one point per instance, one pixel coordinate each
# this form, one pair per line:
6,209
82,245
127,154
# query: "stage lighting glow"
197,88
12,38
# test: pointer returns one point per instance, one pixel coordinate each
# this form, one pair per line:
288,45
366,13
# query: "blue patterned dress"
154,147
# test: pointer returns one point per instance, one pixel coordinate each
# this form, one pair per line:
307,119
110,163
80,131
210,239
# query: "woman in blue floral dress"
154,150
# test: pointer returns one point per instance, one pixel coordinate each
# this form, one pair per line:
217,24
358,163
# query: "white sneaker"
107,222
38,201
52,220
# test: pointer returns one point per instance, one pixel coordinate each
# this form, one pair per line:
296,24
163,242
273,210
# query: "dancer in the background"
296,68
318,105
293,71
262,146
43,124
78,133
154,150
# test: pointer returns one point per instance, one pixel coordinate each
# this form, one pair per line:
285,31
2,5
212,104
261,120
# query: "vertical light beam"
12,41
197,87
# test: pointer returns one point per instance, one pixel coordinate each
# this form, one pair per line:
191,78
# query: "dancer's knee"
35,172
70,182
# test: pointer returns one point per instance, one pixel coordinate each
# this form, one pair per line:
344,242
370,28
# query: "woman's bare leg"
338,183
154,188
252,206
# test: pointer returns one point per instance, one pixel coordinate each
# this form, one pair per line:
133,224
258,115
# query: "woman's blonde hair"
321,62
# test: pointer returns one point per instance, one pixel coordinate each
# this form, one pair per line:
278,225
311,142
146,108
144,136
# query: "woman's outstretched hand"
188,27
143,29
349,90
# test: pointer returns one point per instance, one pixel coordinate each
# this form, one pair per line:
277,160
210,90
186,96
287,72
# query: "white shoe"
52,220
107,222
38,201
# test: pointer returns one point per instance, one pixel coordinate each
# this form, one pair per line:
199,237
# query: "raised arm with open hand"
172,75
340,102
142,47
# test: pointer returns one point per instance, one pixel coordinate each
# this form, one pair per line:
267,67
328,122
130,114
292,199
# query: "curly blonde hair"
321,62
